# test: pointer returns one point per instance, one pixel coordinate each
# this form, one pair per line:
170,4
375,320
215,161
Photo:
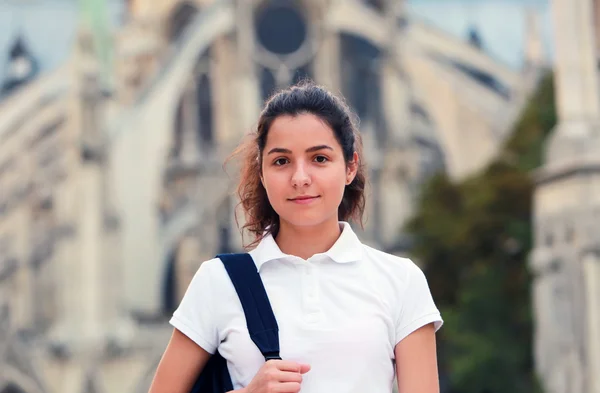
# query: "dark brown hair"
305,97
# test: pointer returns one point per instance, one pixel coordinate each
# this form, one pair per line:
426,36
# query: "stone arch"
140,157
194,112
180,18
416,52
361,19
192,143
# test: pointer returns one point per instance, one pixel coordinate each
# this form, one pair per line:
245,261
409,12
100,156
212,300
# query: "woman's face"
304,171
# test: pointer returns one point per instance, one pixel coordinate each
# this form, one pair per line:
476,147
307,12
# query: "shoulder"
397,268
209,269
210,276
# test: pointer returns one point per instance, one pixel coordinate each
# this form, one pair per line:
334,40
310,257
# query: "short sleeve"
194,317
417,306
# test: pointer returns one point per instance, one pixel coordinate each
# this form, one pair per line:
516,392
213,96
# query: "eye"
280,161
321,159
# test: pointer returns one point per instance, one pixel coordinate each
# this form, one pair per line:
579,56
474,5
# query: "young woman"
350,317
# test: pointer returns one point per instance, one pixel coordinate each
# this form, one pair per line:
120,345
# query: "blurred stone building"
111,185
566,258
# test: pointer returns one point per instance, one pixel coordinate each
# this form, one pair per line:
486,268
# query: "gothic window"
178,134
268,85
280,27
170,285
224,219
205,115
225,239
360,74
195,110
181,17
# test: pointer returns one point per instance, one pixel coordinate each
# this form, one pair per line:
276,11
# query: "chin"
305,220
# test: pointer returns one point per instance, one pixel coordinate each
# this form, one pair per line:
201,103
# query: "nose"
301,176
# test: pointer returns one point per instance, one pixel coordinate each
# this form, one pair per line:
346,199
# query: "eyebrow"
309,150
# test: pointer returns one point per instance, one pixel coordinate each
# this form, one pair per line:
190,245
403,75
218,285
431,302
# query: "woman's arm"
183,361
180,365
416,362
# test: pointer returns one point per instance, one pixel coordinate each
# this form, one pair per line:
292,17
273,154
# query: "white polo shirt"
342,312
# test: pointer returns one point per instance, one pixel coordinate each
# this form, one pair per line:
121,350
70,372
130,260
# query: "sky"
501,23
48,25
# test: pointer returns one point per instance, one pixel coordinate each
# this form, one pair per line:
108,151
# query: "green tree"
473,239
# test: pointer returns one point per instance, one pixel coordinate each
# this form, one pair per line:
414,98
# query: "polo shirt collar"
347,248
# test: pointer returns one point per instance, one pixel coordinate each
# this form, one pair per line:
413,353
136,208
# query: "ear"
352,168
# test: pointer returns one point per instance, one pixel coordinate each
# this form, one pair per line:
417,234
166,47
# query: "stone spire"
534,52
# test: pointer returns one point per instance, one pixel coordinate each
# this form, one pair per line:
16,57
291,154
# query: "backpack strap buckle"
272,356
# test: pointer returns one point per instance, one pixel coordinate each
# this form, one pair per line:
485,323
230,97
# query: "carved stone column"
246,81
222,66
591,268
394,86
327,61
576,77
564,193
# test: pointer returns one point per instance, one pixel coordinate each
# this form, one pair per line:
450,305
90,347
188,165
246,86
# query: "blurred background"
480,120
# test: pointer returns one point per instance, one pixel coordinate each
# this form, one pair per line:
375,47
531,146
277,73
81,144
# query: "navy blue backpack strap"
260,319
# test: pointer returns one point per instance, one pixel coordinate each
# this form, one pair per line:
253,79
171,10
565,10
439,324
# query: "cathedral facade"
112,189
566,259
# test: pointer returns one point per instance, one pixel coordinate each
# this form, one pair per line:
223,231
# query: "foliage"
473,239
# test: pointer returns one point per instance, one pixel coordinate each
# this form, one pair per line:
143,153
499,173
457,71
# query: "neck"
304,242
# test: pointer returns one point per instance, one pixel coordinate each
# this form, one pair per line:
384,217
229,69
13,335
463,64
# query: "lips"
304,199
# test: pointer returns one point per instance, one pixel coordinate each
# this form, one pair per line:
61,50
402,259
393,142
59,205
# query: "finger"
286,365
287,387
289,376
304,368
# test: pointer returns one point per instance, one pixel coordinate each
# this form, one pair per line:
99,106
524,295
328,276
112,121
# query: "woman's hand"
278,376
